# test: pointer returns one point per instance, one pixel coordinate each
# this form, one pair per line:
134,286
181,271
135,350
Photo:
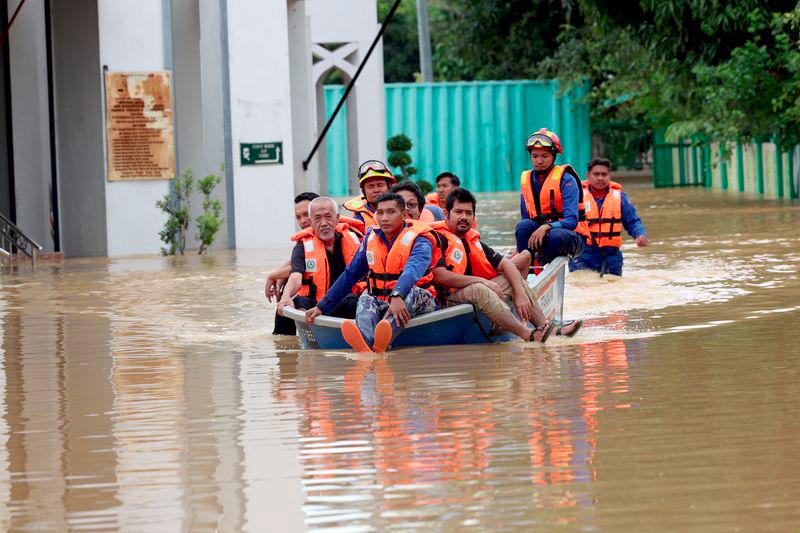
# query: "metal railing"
14,242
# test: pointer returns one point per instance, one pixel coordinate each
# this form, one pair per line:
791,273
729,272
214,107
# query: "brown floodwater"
147,393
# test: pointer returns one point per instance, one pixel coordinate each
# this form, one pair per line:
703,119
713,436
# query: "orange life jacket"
359,205
432,198
355,224
457,255
550,200
605,224
386,265
316,278
426,216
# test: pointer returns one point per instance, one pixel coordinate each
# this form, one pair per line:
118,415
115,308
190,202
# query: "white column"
132,39
260,109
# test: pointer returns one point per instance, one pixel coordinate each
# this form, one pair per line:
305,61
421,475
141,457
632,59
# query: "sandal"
572,332
546,330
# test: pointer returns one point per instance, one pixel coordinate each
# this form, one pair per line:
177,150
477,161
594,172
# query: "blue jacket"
630,219
569,200
417,265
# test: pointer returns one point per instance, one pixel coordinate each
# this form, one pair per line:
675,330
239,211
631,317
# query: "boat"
460,324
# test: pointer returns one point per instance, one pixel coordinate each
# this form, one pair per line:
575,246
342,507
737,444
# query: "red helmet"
544,138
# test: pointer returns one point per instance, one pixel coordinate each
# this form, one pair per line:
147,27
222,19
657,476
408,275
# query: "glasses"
366,166
539,140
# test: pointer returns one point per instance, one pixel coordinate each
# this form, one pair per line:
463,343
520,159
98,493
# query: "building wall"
260,107
132,39
79,127
31,130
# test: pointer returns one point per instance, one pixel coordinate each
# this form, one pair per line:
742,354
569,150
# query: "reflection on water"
146,393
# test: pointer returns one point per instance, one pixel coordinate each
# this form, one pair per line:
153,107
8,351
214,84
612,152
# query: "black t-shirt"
335,259
493,256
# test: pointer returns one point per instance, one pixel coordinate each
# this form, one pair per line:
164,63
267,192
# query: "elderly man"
397,258
320,256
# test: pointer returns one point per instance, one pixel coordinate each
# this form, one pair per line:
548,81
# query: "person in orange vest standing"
415,203
608,211
551,203
374,179
445,183
397,258
318,259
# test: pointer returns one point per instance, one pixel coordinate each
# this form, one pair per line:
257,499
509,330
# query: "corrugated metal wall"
756,168
474,129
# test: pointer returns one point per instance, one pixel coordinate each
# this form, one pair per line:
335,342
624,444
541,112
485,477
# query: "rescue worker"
415,203
320,256
608,210
551,203
445,182
397,257
374,179
277,278
475,273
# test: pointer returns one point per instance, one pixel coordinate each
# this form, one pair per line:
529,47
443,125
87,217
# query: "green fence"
758,167
475,129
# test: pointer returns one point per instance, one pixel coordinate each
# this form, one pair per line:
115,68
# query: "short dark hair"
603,161
460,195
391,196
455,180
412,187
305,196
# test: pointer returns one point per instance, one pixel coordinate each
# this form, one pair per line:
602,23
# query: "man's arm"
452,280
630,219
569,202
342,286
418,262
522,298
290,290
272,286
523,209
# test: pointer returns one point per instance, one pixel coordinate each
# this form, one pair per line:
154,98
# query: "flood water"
147,394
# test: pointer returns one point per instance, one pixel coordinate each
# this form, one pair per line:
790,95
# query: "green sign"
261,153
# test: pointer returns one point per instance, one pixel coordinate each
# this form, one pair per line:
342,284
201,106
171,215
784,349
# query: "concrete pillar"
260,111
31,130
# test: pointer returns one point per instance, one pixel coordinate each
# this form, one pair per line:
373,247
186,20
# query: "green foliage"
176,205
400,42
425,186
210,221
398,147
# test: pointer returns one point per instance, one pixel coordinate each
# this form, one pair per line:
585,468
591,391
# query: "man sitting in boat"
472,272
374,179
276,279
551,203
320,256
445,182
608,210
415,203
397,257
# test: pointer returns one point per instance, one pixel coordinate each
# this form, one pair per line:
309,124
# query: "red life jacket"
386,265
457,255
605,224
432,198
316,278
550,201
359,205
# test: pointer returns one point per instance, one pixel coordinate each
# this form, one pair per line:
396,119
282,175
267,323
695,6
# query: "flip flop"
546,329
578,324
383,336
352,335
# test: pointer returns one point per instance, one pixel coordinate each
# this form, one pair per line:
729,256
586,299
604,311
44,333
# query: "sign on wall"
261,153
139,126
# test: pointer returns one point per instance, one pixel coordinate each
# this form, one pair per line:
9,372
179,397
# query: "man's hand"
522,302
283,303
492,285
642,241
397,309
312,313
271,288
535,242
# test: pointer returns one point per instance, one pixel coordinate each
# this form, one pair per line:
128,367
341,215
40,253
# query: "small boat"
460,324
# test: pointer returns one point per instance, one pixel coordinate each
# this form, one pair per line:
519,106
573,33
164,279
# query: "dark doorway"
7,204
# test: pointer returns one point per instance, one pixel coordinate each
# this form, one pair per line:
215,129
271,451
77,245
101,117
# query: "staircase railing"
14,242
